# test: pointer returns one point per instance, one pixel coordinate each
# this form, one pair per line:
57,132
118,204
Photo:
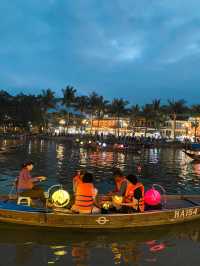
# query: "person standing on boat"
85,196
27,185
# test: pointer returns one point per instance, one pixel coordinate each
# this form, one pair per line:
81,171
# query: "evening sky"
136,49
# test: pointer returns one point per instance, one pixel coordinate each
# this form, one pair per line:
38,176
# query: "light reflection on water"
167,167
58,161
172,245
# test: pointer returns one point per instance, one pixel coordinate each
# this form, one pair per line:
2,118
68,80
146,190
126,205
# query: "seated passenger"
27,185
77,179
85,196
130,194
134,193
120,182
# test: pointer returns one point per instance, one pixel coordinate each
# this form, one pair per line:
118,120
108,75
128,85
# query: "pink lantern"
152,197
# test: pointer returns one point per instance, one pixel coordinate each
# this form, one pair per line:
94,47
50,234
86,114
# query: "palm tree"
195,125
176,108
148,114
47,101
29,111
96,107
158,114
195,111
134,112
5,101
68,100
118,109
81,104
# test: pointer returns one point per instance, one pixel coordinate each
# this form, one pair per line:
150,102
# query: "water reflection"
161,245
167,167
41,145
80,254
30,147
60,152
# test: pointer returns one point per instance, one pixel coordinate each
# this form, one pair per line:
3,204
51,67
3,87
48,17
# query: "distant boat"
195,146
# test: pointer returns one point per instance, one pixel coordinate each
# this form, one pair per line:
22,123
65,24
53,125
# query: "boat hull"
178,210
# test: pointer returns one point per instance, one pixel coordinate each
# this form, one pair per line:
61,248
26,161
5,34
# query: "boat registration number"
181,214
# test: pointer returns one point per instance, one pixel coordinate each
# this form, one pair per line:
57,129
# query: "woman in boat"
27,185
120,182
85,196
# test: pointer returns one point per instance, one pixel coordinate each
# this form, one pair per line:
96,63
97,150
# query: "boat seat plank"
180,203
195,201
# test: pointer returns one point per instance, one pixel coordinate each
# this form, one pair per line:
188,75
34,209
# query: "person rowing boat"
27,186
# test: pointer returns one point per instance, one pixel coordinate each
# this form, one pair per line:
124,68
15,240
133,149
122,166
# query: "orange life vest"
129,196
76,181
118,182
84,198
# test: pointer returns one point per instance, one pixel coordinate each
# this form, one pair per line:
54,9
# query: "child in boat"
85,196
27,185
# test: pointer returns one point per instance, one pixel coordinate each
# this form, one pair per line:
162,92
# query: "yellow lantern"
117,200
60,198
106,205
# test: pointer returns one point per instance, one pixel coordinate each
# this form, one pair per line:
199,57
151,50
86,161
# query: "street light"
62,122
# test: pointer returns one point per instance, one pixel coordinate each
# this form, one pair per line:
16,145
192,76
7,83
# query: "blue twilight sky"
136,49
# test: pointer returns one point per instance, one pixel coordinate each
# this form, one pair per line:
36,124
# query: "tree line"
20,110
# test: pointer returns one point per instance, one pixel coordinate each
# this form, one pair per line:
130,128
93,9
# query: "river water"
174,245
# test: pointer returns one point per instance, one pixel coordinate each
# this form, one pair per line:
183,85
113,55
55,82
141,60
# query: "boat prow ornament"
58,196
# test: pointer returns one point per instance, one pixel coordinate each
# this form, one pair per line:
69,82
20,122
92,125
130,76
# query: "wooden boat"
193,155
178,209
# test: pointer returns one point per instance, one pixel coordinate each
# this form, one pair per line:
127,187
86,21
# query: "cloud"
124,44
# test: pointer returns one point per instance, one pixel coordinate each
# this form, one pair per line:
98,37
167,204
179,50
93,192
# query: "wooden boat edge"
104,221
